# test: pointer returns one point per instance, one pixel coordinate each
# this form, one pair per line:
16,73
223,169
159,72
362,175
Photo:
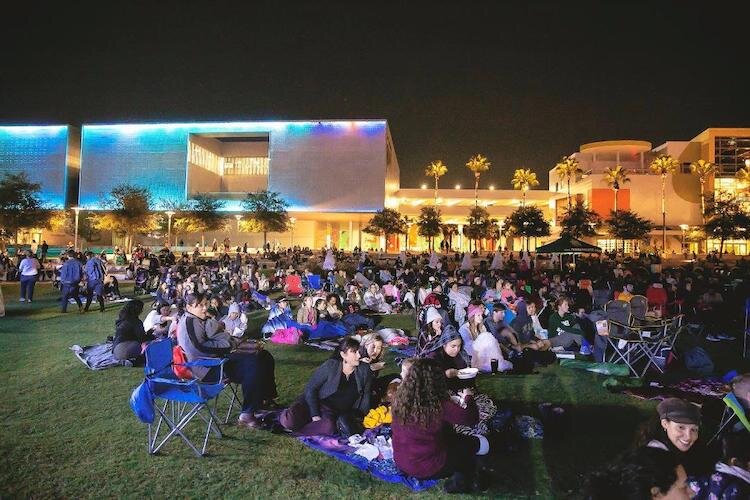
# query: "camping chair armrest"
208,362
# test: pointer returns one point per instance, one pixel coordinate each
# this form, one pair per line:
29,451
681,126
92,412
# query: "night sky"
522,83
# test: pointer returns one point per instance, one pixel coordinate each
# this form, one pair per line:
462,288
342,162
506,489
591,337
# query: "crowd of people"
492,318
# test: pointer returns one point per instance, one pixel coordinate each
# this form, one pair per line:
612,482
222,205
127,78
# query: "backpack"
697,360
179,358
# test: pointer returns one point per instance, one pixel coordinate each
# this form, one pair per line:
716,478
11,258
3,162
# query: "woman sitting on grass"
677,432
129,333
424,442
336,397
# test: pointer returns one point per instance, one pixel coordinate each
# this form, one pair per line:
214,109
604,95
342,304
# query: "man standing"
95,271
45,249
70,276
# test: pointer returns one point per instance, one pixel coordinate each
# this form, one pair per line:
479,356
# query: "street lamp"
169,213
408,229
77,210
292,221
238,217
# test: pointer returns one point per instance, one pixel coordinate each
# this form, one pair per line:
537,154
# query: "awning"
568,244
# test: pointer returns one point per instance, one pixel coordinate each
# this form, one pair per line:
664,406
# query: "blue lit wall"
329,166
41,152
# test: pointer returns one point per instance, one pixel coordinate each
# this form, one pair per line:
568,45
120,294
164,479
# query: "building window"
609,245
204,158
257,165
730,154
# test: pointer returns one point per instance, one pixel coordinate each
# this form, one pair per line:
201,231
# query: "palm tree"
436,169
664,165
615,178
703,169
566,169
477,164
524,179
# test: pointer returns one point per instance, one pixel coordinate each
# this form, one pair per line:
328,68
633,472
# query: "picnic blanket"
692,389
380,468
97,357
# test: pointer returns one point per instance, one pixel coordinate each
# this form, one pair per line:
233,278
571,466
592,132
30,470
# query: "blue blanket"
385,470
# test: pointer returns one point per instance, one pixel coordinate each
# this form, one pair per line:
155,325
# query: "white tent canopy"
497,261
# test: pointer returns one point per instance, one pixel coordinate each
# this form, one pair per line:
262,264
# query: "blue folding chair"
185,399
313,281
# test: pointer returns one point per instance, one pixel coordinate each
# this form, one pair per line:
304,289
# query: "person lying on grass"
424,442
336,397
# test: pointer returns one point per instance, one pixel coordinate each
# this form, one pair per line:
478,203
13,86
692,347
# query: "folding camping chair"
233,399
183,399
628,342
733,411
313,281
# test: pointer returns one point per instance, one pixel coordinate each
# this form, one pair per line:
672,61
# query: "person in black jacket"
336,397
129,332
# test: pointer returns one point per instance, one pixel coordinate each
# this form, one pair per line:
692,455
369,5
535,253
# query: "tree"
664,165
524,179
477,164
615,178
743,176
449,231
704,170
268,210
436,169
63,221
20,205
566,169
479,225
580,221
726,220
128,213
627,225
386,222
204,215
527,222
429,224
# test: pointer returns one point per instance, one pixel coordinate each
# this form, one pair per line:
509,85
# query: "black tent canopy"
568,245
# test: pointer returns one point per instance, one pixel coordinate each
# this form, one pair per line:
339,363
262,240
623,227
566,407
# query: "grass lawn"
69,432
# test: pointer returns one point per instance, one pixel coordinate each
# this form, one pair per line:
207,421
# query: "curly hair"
634,476
420,396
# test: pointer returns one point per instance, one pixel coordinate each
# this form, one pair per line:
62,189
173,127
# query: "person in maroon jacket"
424,442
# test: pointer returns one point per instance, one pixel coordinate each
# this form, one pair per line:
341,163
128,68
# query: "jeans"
255,372
27,286
95,288
70,291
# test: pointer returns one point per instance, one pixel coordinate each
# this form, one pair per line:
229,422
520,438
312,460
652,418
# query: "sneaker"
713,338
247,420
558,349
585,349
21,300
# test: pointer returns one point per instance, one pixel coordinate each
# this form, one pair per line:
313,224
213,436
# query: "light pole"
77,210
169,213
238,217
292,221
408,229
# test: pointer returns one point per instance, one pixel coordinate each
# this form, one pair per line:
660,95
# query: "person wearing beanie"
235,323
473,326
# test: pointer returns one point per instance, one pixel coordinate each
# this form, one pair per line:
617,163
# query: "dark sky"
522,83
